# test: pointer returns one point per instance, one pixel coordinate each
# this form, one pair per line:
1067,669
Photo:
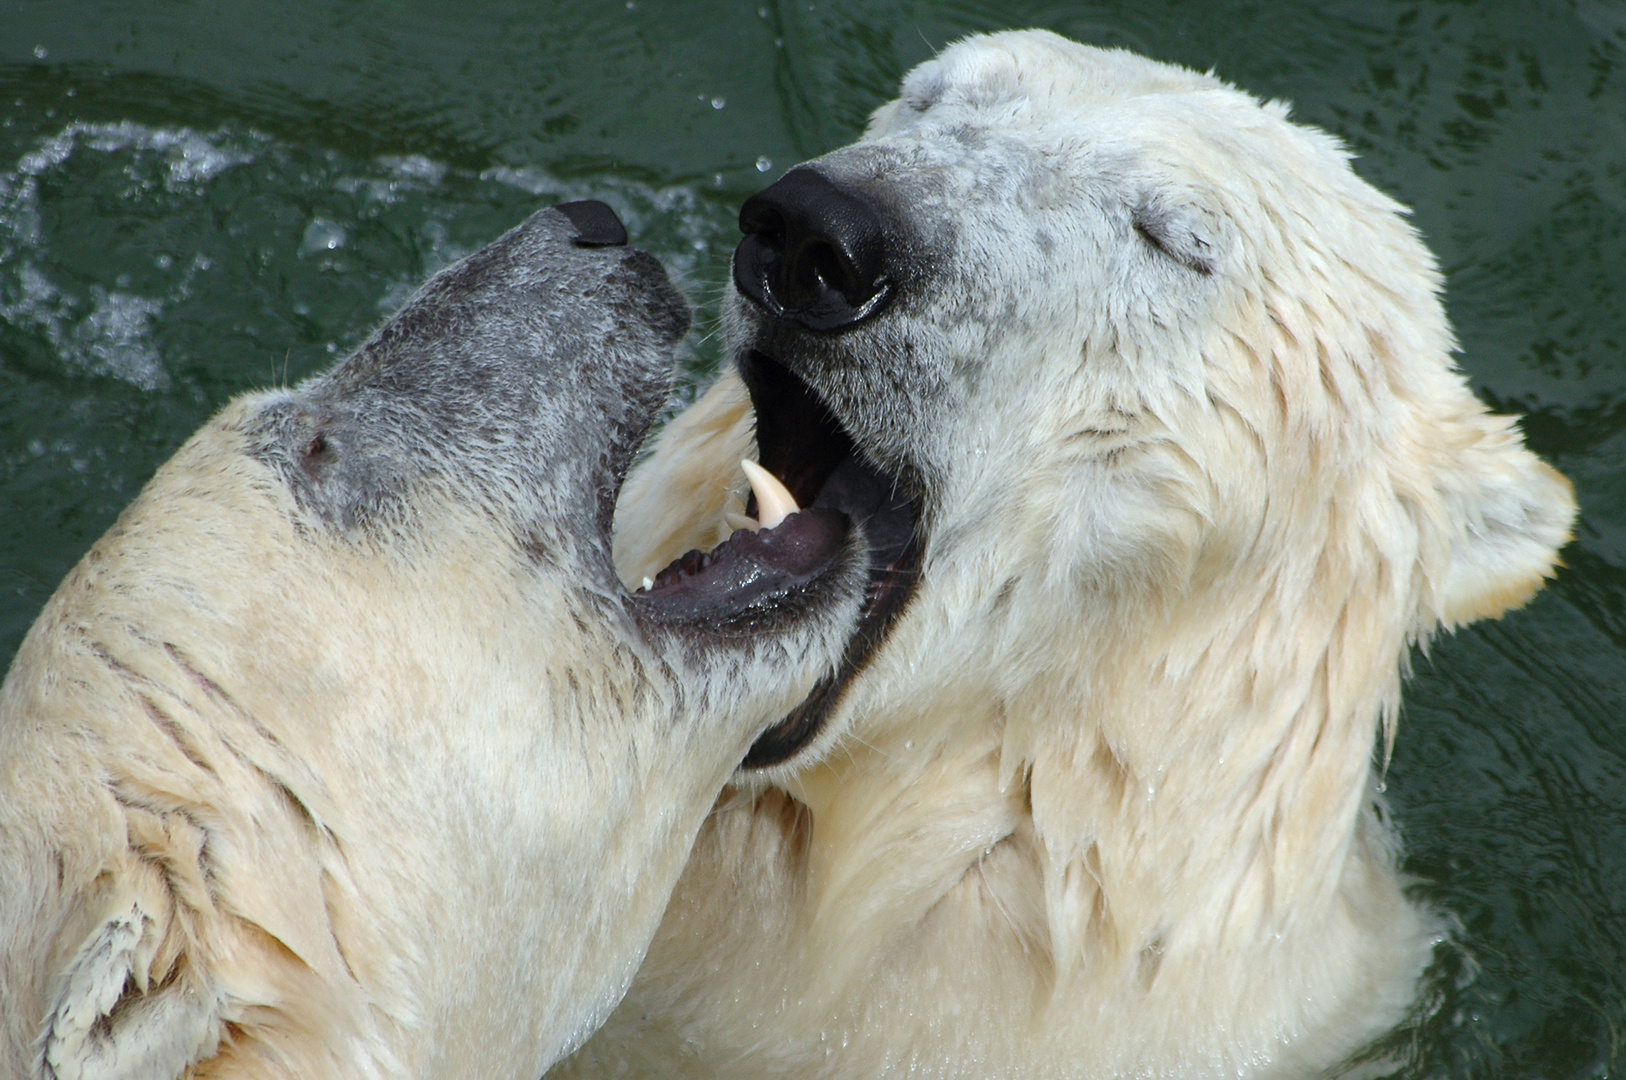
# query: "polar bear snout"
519,381
814,252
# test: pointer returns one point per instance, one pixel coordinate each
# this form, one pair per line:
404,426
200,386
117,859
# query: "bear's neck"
1188,785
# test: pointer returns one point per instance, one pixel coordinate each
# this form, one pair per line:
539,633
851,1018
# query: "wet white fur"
278,801
1103,805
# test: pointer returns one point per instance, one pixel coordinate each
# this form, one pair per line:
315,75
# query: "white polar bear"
344,753
1154,398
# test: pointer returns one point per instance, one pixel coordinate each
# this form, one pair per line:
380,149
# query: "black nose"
596,224
812,252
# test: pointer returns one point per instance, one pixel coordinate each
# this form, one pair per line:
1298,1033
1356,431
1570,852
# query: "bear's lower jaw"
803,445
750,578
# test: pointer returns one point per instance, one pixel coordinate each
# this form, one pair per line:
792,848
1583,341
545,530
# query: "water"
196,199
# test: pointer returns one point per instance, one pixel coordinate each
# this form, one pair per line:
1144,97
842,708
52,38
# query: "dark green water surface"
200,198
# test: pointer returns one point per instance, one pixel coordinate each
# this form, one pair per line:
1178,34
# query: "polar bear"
1149,402
344,753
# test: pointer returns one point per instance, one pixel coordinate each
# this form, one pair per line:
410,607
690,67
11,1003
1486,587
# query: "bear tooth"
648,584
775,503
738,521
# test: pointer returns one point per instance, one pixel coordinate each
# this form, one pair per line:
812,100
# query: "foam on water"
100,330
230,216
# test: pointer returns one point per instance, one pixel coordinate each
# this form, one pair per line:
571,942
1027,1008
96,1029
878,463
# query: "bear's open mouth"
804,446
818,485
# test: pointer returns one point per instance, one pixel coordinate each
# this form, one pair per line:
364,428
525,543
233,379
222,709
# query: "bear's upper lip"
800,441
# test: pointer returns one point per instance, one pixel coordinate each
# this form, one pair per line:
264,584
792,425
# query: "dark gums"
749,571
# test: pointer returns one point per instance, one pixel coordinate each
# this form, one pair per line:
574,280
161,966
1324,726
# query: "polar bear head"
1136,355
1145,402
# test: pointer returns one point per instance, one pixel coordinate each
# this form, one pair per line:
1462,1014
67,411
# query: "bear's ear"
129,1006
1505,514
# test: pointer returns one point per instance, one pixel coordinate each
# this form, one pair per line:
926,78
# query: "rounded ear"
1505,513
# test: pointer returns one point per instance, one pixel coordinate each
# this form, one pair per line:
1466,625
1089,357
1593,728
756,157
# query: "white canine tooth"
774,502
648,584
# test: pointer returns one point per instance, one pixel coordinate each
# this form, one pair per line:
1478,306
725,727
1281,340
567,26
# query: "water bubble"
41,52
718,103
322,235
763,164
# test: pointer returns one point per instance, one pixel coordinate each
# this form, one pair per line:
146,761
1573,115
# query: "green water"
199,198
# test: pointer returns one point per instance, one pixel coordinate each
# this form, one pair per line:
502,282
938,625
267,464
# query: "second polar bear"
344,754
1149,404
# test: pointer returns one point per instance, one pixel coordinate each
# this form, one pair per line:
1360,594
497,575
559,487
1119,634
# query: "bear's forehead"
1037,72
1038,95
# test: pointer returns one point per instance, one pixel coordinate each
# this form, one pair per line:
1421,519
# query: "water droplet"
763,164
762,13
322,235
41,52
718,103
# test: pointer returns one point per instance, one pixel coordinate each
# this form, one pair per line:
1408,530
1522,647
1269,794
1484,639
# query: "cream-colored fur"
1103,803
285,798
